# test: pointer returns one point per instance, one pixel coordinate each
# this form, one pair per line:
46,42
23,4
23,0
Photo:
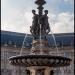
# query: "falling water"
14,71
62,70
55,42
41,52
4,65
23,44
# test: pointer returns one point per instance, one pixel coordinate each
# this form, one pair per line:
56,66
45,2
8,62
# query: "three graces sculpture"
40,24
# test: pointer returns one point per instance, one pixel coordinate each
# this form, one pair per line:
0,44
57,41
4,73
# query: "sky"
16,15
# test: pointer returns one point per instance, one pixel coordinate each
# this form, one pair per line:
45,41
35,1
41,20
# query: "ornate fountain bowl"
40,60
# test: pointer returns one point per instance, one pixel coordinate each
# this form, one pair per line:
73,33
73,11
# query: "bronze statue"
46,23
34,27
45,29
40,23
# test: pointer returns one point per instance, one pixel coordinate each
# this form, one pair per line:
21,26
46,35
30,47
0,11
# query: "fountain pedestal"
40,47
39,70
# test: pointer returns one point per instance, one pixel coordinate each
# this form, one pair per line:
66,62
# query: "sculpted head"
33,11
46,11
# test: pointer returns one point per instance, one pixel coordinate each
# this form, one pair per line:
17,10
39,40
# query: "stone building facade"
11,44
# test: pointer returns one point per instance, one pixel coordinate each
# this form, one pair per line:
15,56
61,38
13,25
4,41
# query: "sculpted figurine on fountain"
40,24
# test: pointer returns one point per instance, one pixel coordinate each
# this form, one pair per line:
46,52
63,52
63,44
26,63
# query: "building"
11,45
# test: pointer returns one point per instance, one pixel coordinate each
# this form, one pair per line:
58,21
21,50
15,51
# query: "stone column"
47,71
39,70
32,71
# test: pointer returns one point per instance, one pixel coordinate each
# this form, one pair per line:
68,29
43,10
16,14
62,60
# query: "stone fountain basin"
40,60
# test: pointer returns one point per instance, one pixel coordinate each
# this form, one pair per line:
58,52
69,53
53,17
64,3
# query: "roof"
17,38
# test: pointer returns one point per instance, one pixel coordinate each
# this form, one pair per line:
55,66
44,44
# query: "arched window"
28,72
9,42
5,44
52,72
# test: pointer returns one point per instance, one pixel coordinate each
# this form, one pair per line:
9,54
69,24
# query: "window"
6,72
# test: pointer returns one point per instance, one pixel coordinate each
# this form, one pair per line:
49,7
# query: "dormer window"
27,44
10,42
72,43
15,45
5,44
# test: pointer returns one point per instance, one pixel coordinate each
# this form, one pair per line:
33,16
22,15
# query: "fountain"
39,61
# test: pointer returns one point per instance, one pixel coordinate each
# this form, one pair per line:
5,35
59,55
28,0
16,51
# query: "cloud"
28,16
69,1
19,19
59,23
64,23
14,19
